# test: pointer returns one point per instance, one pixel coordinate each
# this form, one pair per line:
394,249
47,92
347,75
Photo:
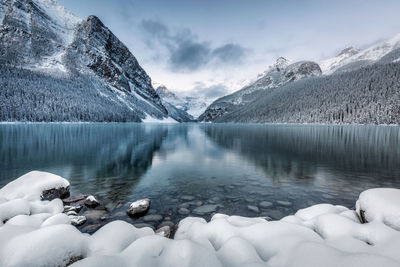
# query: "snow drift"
34,232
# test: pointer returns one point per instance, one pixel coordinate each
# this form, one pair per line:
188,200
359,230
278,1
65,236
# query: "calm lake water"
226,167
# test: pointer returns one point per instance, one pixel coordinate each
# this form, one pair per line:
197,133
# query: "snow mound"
380,204
31,185
37,233
50,246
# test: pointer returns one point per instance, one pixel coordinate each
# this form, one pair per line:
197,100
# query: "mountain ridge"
49,42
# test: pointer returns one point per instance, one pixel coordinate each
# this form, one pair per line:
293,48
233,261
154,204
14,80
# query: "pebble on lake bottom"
284,203
253,208
265,204
183,211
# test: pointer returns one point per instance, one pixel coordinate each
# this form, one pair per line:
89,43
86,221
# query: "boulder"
50,194
139,207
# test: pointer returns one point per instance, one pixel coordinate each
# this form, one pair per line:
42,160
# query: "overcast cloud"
185,51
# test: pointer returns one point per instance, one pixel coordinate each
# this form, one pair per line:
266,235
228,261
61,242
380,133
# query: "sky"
210,48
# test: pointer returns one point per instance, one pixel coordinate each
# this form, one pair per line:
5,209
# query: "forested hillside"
367,95
33,96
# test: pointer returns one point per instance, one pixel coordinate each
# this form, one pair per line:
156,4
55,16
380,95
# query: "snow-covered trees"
33,96
367,95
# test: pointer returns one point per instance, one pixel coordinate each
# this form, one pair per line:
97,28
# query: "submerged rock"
95,215
183,211
284,203
265,204
139,207
153,218
91,202
187,197
202,210
253,208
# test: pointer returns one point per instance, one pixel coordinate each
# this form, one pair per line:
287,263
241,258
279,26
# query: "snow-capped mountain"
331,64
357,87
173,104
278,74
194,106
351,58
102,79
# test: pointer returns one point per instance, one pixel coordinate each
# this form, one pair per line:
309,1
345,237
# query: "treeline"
27,95
370,95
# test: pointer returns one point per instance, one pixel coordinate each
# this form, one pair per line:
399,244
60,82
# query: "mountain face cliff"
279,74
58,67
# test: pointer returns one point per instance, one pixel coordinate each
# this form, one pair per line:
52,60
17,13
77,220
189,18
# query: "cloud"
230,53
185,51
209,91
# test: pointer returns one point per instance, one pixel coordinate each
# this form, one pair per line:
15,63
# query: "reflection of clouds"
194,156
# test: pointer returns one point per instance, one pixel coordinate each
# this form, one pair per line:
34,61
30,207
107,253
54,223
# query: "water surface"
226,166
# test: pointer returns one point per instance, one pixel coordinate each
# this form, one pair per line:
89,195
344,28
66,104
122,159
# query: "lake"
206,168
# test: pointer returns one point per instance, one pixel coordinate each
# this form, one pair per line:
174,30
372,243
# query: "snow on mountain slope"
44,37
353,59
278,74
194,106
333,63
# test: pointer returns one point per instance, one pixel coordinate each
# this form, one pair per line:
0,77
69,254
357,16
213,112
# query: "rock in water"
139,207
153,218
202,210
54,193
164,231
187,197
74,198
265,204
91,202
253,208
183,211
68,208
77,220
284,203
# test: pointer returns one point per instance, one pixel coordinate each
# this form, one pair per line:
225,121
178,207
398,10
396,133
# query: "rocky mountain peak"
349,51
43,35
281,63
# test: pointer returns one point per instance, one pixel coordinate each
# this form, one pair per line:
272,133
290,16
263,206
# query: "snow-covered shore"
35,232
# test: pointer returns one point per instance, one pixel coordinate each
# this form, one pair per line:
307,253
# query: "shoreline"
38,232
201,123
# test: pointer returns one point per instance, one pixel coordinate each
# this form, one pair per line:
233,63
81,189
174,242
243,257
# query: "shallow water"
227,167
